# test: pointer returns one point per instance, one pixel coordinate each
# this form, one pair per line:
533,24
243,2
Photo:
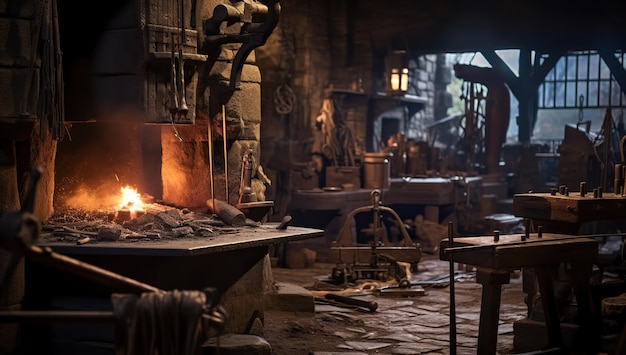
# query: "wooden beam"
540,72
503,69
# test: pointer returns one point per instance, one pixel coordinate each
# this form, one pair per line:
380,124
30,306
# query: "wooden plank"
511,252
571,208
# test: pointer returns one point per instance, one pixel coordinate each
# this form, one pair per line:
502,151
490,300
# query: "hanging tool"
211,168
173,91
183,109
225,150
173,88
452,300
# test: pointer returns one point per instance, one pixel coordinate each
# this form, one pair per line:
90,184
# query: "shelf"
349,92
409,99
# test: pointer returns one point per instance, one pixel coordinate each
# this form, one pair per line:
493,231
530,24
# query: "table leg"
588,317
492,281
550,308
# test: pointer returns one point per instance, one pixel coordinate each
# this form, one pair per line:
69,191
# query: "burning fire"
131,200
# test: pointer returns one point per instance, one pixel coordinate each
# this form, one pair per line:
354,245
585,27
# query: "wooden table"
565,213
495,260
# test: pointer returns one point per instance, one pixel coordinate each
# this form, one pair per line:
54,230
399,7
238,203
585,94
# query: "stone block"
245,298
237,344
290,298
531,335
251,131
15,38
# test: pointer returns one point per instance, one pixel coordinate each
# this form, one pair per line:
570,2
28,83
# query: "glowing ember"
131,200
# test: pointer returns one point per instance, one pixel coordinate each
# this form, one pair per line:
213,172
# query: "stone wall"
314,50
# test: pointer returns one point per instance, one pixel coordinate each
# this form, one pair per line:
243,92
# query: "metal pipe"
225,150
173,89
183,109
210,143
452,299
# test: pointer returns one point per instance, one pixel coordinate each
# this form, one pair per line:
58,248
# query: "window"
581,80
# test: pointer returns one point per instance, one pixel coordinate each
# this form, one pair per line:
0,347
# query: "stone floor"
418,324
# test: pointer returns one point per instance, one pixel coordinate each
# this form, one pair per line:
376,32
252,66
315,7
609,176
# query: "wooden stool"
615,308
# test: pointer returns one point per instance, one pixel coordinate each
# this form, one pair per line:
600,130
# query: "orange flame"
131,199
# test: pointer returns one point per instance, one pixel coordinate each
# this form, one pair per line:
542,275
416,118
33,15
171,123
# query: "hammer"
371,305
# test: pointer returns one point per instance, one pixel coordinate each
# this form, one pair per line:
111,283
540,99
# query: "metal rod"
183,109
452,299
173,89
210,143
225,150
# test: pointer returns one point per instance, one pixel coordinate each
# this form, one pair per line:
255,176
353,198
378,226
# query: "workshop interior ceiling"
439,26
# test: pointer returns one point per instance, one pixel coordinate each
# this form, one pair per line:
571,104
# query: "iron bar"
452,298
225,150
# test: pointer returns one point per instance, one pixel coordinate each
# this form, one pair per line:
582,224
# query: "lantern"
397,73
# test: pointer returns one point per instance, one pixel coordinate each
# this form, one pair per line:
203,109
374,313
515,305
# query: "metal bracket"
258,18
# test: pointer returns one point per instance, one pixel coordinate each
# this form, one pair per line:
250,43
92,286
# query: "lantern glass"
394,80
397,73
404,80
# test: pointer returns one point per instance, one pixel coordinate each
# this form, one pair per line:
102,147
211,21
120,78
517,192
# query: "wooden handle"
230,214
372,306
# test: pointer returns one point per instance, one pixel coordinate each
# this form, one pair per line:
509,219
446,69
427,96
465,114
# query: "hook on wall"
257,18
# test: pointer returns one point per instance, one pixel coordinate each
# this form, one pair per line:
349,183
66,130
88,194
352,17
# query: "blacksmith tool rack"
379,260
19,230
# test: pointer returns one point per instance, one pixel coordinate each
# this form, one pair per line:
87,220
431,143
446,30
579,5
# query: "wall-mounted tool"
257,18
248,201
183,109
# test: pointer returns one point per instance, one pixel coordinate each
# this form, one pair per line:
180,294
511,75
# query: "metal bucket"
376,171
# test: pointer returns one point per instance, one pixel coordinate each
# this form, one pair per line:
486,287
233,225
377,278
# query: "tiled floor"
400,325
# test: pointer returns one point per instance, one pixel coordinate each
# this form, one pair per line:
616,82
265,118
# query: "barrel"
376,171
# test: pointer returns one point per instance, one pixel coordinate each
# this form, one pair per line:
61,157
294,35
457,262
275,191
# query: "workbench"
565,213
231,261
327,209
495,259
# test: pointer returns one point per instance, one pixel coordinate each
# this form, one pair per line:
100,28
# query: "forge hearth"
153,221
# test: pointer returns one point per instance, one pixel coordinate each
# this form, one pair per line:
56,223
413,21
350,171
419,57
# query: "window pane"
549,97
559,99
583,61
615,94
571,67
582,91
593,94
604,93
594,62
605,72
560,69
571,94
